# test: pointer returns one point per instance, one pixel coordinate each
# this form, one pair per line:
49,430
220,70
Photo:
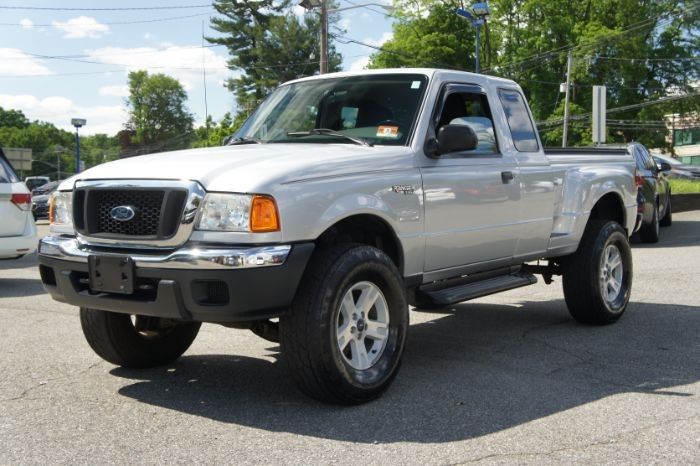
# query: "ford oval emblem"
123,213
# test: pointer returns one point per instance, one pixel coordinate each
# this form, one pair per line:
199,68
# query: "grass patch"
684,186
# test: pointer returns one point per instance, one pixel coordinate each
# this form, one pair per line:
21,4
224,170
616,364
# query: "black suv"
654,196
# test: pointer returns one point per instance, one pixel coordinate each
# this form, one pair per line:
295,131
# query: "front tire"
136,341
345,334
667,221
597,278
649,233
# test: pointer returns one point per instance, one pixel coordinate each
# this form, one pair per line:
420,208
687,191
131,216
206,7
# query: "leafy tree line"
641,50
52,146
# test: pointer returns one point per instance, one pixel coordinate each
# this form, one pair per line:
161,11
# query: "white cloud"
82,27
26,23
118,90
359,64
59,110
182,63
386,37
14,62
345,24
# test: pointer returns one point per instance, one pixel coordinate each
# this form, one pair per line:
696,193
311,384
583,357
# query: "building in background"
684,136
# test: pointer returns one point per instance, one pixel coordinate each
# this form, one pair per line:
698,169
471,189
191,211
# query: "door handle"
507,177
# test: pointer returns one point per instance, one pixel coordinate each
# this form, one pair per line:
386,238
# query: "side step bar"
464,292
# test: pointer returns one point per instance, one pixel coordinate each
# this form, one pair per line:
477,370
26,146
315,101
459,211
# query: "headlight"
238,212
61,208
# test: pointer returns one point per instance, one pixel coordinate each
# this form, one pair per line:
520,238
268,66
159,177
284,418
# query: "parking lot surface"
505,379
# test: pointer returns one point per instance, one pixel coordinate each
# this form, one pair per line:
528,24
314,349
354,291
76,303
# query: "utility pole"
476,52
324,37
58,164
569,65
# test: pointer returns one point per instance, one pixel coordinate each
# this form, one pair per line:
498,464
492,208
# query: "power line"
583,116
114,23
141,8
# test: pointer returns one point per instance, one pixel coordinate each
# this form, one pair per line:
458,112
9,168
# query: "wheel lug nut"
354,316
352,329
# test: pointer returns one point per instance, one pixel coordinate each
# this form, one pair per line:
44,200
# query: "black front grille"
146,204
156,212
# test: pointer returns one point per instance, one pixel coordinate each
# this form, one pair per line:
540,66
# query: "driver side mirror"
665,167
454,138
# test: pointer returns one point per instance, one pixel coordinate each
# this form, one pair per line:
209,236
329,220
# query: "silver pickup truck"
343,199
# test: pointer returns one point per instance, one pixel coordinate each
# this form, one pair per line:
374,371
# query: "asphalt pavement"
508,378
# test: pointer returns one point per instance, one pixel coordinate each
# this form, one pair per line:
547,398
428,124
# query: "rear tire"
345,334
139,343
597,278
649,233
667,221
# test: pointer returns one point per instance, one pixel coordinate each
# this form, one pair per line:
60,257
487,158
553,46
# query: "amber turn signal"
52,208
263,215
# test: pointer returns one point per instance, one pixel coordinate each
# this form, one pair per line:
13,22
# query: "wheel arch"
365,228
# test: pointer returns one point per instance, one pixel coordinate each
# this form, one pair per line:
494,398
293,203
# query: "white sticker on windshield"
415,85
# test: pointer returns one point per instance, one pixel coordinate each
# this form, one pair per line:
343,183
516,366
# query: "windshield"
378,109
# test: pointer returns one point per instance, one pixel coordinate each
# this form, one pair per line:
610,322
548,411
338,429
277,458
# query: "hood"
251,168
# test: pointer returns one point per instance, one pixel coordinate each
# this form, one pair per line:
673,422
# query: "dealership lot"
503,379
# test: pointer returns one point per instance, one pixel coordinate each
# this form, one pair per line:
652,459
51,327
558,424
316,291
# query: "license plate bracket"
111,274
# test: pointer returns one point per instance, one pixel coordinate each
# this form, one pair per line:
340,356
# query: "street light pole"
78,123
476,53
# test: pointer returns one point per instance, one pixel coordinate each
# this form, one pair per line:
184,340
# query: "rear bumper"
17,246
212,284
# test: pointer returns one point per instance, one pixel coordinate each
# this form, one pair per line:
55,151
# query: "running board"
473,290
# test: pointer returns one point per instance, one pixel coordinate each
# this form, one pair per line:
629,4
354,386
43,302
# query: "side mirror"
665,167
456,138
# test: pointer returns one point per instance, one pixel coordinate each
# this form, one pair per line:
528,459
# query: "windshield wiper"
243,140
330,132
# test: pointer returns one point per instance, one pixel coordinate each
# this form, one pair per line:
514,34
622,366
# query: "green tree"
215,133
13,119
428,34
158,117
641,50
268,45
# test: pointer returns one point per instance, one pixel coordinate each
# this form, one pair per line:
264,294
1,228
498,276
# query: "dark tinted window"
7,174
521,128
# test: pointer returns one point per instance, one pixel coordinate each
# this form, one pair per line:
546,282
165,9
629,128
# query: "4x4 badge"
403,189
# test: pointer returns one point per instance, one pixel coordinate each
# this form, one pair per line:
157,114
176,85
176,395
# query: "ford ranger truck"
340,201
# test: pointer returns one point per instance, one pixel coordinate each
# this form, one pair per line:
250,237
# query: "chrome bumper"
185,258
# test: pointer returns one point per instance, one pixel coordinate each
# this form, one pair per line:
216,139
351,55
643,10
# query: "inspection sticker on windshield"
415,85
388,132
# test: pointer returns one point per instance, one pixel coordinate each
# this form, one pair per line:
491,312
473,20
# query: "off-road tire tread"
111,336
304,365
581,300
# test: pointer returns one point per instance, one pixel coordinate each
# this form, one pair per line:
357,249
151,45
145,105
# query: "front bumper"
206,284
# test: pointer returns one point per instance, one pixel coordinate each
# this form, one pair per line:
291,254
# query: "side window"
521,127
470,109
7,174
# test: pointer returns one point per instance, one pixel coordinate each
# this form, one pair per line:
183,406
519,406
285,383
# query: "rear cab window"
521,128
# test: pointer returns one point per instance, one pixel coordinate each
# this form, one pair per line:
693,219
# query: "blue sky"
96,53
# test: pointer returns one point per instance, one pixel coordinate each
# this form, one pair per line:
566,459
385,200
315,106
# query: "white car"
17,228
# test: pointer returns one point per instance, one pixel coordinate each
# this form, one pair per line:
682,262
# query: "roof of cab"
429,72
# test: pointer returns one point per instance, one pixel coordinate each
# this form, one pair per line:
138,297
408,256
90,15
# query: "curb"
685,202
